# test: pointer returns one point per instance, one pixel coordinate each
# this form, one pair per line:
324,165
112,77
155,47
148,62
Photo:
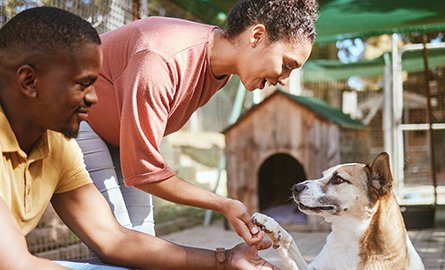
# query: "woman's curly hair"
289,20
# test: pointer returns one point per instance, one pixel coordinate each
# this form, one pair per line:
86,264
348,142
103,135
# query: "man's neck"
26,135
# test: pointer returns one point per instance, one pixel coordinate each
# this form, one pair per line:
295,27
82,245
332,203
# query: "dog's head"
351,188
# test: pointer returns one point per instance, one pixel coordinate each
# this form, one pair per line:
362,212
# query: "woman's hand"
236,213
246,258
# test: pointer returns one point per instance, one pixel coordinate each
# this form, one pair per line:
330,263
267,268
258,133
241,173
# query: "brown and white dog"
367,233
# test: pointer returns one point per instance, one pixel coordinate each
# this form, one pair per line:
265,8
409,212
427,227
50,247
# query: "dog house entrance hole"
276,177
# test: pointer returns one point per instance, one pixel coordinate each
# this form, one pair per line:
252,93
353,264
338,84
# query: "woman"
157,72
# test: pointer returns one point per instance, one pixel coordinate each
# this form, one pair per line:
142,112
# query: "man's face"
66,90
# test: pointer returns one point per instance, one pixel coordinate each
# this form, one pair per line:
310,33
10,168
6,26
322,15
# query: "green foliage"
211,12
9,8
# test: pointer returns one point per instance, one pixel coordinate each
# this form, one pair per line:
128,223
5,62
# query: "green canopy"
327,70
334,70
342,19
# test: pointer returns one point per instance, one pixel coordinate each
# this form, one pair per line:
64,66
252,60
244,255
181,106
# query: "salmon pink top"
156,73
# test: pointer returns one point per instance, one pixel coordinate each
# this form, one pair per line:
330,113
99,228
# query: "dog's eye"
337,180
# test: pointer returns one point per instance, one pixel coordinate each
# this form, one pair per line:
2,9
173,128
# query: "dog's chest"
343,248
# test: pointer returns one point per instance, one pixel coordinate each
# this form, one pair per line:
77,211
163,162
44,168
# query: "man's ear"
257,34
26,79
380,177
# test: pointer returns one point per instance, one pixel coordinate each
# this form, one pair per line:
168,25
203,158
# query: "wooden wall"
278,125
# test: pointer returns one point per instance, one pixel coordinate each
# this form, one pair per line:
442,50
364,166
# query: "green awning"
413,61
334,70
342,19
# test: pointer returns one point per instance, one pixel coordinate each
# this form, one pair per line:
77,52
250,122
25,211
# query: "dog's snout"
298,188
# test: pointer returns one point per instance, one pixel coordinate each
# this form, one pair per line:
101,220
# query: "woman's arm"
177,190
88,215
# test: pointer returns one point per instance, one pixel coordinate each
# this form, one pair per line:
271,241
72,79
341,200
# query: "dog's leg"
282,242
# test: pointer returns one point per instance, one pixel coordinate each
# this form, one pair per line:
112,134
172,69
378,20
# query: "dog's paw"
266,223
269,226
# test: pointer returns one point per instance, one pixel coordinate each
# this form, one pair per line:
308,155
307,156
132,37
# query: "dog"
367,232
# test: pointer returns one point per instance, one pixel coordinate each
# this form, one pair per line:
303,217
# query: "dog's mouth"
315,209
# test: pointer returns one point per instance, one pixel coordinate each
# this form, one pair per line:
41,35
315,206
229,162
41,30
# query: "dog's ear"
380,177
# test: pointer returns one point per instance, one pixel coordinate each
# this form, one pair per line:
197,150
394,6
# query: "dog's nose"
298,188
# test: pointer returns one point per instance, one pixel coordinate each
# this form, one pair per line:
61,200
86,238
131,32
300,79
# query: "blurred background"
376,66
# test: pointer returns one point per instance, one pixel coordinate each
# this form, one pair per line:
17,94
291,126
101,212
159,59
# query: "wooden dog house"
284,140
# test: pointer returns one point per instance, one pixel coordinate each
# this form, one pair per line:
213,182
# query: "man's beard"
69,132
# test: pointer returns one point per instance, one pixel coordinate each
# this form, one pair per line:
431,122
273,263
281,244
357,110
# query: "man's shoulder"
59,143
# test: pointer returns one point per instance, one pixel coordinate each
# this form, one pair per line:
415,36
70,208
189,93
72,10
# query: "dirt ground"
430,243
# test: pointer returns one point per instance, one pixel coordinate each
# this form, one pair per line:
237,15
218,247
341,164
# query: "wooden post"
136,10
429,116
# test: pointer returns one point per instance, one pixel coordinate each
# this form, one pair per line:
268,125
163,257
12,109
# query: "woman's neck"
223,54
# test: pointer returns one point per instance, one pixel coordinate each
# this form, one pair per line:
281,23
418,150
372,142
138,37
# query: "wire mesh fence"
51,239
369,109
104,15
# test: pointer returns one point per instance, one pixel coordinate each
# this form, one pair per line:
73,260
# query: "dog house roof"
316,105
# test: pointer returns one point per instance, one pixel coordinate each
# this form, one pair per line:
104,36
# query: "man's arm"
177,190
14,252
88,215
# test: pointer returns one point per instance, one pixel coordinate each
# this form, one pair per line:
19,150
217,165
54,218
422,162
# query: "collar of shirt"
9,143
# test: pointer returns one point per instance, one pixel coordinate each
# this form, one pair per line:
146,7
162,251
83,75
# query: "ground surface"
430,243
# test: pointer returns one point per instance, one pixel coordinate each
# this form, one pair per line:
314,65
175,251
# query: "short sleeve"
147,89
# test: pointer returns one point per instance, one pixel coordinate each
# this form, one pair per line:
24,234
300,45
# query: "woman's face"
263,61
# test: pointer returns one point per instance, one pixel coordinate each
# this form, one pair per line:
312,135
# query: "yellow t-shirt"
27,183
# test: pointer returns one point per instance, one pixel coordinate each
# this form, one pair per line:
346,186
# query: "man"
50,59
